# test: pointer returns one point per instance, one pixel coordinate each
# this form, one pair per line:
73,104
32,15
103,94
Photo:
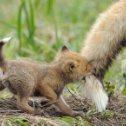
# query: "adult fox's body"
103,43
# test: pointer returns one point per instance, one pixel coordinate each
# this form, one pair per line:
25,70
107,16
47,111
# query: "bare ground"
115,115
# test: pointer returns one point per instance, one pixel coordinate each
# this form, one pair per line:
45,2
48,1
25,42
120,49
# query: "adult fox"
103,43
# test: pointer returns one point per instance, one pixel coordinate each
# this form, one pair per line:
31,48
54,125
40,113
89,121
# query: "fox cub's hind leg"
22,103
24,89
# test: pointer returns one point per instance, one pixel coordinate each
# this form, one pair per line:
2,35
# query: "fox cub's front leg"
49,93
65,108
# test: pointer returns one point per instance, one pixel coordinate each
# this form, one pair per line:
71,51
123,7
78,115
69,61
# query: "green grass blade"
32,18
19,24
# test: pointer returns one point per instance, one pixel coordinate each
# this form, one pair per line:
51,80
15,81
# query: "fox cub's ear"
64,48
69,66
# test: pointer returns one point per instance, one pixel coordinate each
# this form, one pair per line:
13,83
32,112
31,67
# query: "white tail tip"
93,89
6,39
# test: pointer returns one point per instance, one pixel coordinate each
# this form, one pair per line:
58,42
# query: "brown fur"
25,79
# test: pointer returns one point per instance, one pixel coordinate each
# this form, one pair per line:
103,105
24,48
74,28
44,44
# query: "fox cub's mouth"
84,77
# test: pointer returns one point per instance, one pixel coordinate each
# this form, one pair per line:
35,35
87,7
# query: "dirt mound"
114,115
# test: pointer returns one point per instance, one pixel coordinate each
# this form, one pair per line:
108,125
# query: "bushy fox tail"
2,61
103,43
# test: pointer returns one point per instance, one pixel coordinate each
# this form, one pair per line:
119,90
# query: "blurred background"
39,28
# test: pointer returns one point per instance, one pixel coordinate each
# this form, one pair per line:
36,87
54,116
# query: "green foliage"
20,121
74,121
107,114
29,121
41,27
124,87
110,88
28,9
74,88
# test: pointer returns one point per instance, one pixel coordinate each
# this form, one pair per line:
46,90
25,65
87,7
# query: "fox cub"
25,78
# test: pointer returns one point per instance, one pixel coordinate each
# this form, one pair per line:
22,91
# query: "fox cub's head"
73,64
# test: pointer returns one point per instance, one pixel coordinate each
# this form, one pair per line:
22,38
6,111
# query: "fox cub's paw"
79,114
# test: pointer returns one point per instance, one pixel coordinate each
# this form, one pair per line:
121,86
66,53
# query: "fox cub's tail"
2,60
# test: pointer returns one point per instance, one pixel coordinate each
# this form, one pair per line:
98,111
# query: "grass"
41,27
